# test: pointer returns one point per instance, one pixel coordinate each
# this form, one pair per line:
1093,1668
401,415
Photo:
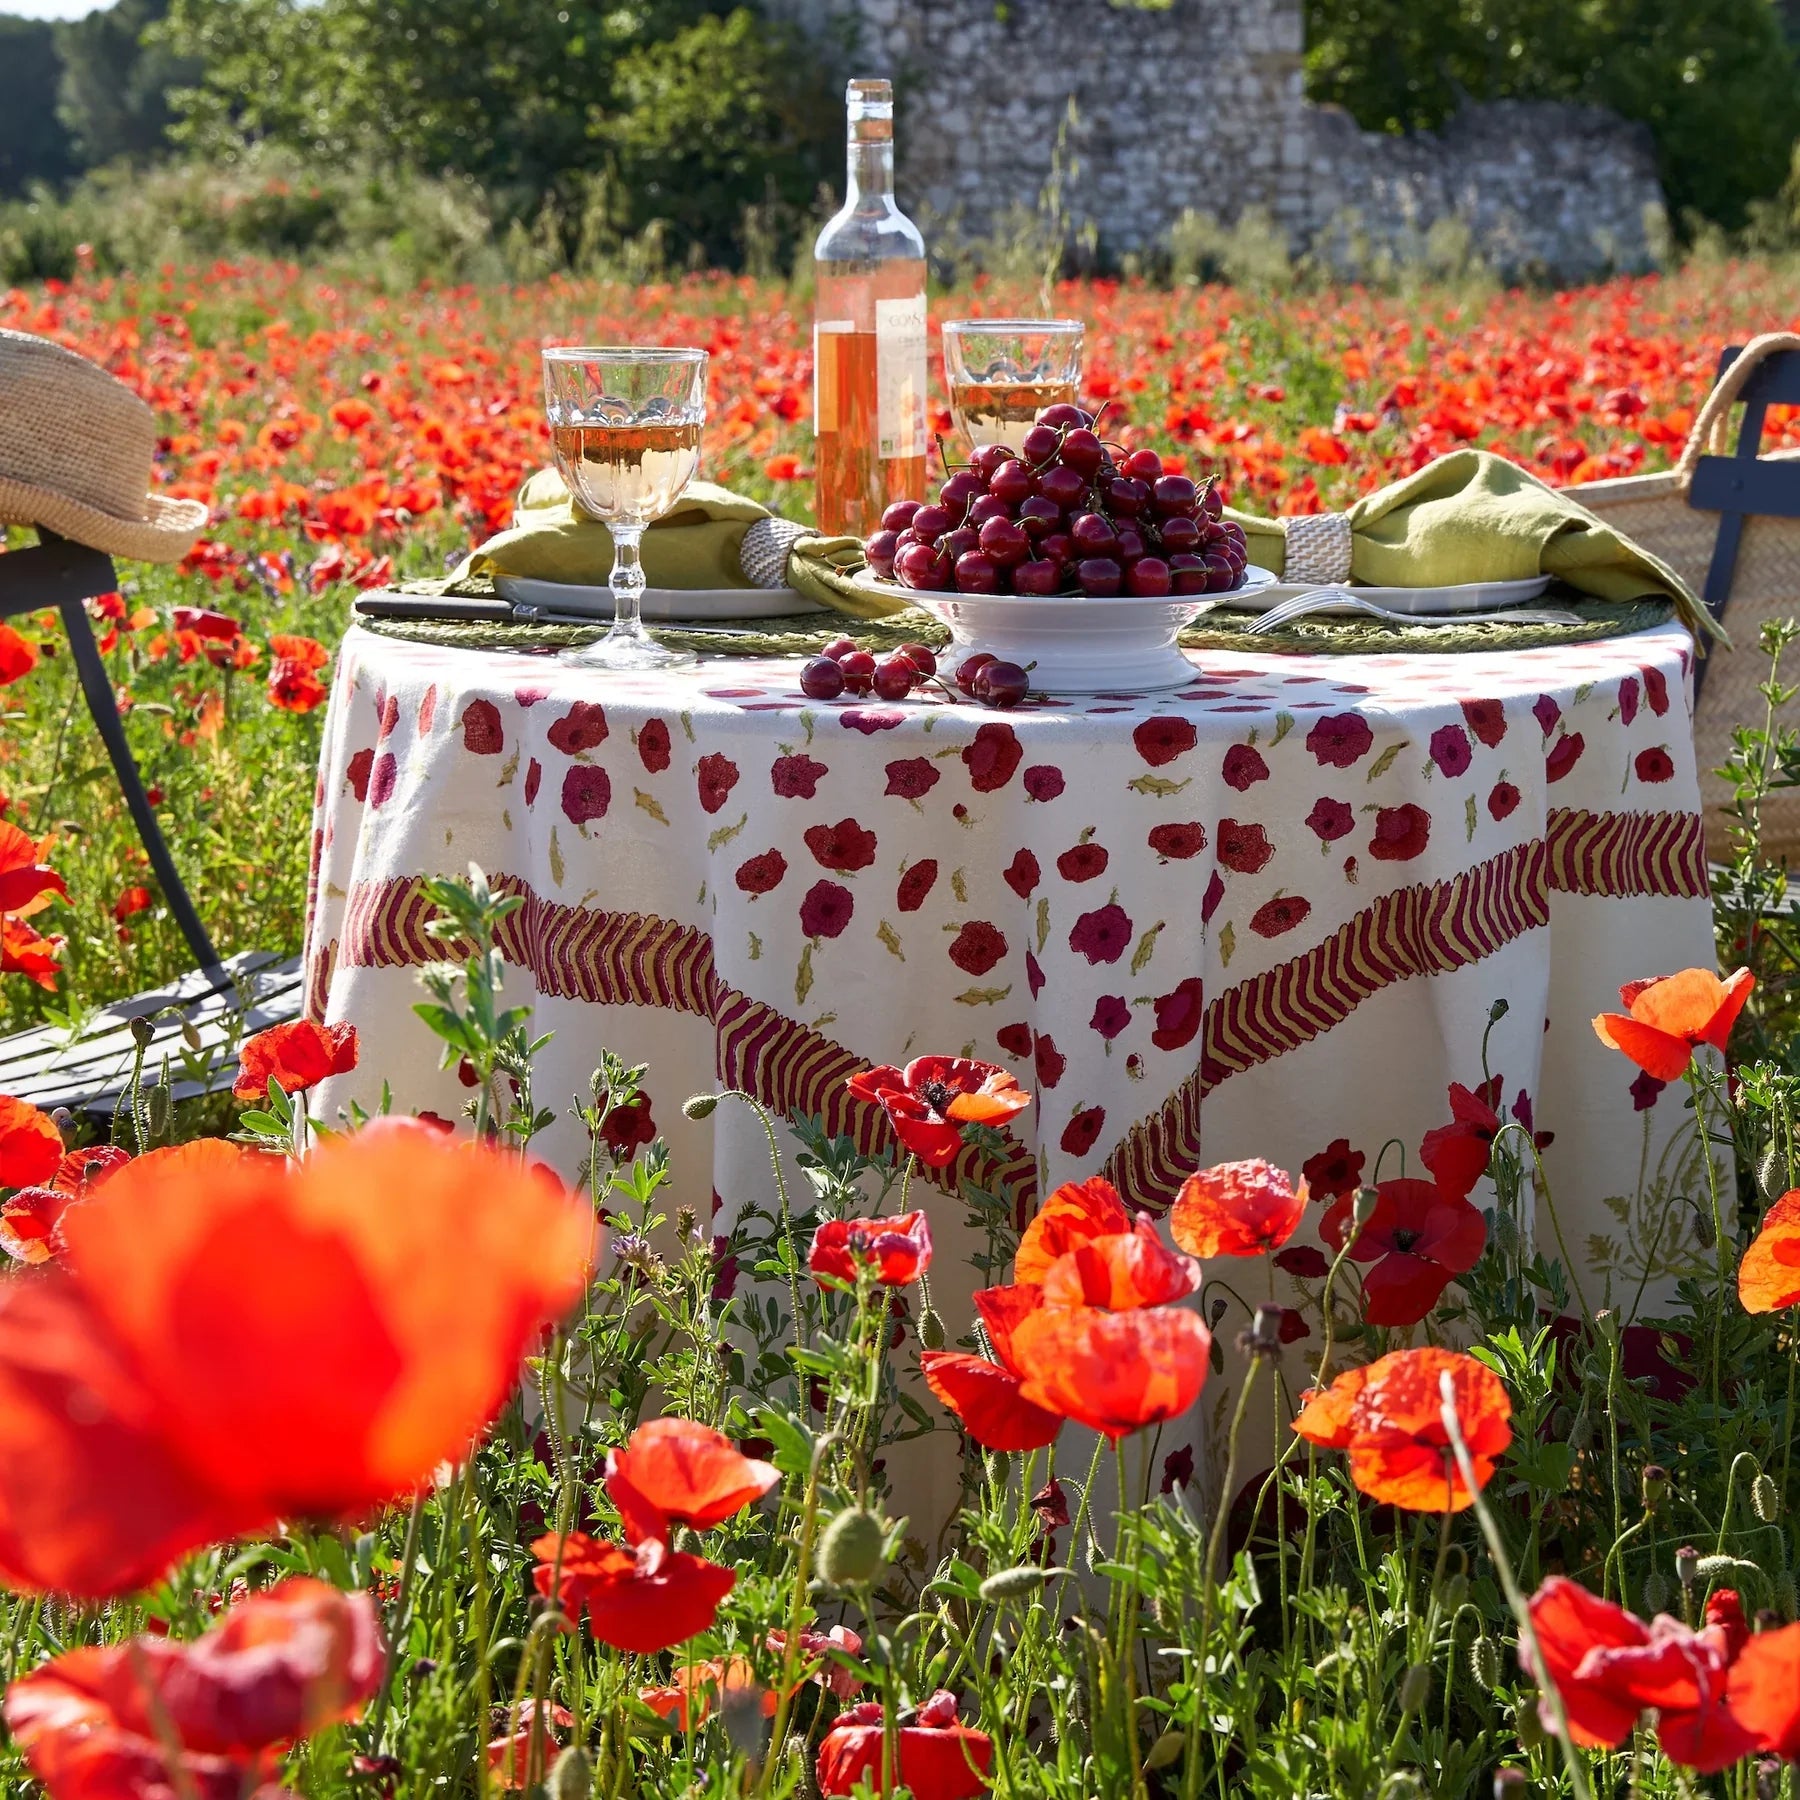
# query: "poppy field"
368,1459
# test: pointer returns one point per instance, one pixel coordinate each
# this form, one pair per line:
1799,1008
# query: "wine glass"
625,427
1002,372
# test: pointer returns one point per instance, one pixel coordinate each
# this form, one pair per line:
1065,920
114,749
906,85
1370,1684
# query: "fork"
1299,605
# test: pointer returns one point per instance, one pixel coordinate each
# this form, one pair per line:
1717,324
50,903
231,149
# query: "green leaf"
1157,784
1385,761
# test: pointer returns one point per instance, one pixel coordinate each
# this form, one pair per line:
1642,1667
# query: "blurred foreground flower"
1667,1019
31,1148
940,1758
1769,1276
27,882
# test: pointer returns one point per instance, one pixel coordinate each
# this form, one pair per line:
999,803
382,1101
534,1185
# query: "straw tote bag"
1655,511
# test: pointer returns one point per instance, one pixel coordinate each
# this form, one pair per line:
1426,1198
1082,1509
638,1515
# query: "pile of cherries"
842,667
1064,515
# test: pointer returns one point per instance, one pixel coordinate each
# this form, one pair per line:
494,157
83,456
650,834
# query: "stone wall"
1199,105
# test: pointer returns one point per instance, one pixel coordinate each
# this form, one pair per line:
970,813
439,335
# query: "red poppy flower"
97,1723
1335,1170
933,1097
898,1247
211,627
643,1599
1237,1209
299,1055
1667,1018
939,1757
1458,1154
1769,1274
1114,1372
23,952
26,881
676,1471
1077,1213
1610,1667
17,656
825,1648
985,1395
267,1343
295,661
1763,1691
1120,1272
1399,1451
1418,1239
31,1148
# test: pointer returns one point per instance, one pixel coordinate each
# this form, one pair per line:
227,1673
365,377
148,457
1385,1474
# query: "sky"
50,9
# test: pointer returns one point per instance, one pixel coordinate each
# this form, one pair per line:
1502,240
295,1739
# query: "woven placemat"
805,634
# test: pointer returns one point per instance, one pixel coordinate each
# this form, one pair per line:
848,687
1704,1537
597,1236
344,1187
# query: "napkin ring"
763,555
1318,548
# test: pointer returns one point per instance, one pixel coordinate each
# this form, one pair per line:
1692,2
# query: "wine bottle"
869,393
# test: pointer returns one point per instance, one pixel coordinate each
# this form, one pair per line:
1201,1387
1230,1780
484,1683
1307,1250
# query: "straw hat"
76,448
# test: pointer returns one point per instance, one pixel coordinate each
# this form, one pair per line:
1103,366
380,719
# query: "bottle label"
900,376
827,400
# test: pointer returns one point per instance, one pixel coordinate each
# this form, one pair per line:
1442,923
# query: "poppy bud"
1015,1584
1215,1358
1656,1592
1166,1748
931,1329
1687,1565
1484,1663
1765,1497
853,1549
190,1035
700,1106
573,1776
143,1033
158,1107
1415,1688
1655,1483
1456,1590
1366,1201
1528,1725
1787,1595
1769,1171
1510,1784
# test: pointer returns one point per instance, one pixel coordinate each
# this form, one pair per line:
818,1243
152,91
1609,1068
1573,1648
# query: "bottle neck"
869,172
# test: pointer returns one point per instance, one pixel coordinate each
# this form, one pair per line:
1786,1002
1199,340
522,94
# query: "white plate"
659,603
1073,645
1467,596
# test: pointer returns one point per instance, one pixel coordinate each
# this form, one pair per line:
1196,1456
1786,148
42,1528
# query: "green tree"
114,93
1714,80
34,145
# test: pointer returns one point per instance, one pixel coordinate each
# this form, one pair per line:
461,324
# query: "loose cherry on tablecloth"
843,667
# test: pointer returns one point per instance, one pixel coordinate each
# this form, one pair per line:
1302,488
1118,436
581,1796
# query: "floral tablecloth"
1266,914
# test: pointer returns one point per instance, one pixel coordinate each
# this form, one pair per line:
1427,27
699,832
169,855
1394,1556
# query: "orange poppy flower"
1763,1691
1237,1209
939,1757
1114,1372
23,952
1120,1272
986,1395
933,1097
1077,1213
266,1343
95,1723
26,881
17,656
1666,1019
643,1599
31,1148
299,1055
1399,1450
676,1471
689,1699
1325,1412
1769,1274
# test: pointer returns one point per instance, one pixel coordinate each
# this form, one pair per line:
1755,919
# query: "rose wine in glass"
869,375
1002,372
625,429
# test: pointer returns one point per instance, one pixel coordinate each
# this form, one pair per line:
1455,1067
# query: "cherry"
1038,577
1099,576
1142,465
1094,534
1212,502
1187,569
920,657
1002,684
1059,484
821,678
1221,577
1010,482
960,541
1131,544
1175,494
839,648
1233,533
881,550
959,490
1004,542
1180,533
1081,451
1063,415
922,567
1039,516
989,506
899,514
895,677
930,523
1149,577
1127,496
970,667
1057,547
858,671
987,458
1040,443
977,573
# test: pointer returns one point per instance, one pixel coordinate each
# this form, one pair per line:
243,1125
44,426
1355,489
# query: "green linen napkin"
1474,516
821,568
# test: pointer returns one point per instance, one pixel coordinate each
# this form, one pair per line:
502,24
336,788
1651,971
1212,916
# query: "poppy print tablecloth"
1267,914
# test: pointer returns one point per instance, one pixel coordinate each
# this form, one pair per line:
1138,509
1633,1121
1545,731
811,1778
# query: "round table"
1266,914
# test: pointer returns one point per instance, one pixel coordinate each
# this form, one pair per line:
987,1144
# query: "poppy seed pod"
1655,1484
852,1549
143,1033
1687,1565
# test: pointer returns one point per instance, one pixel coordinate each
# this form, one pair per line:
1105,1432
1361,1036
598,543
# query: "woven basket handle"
1708,434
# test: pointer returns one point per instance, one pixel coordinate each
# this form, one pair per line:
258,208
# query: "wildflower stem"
1698,1084
397,1630
1221,1516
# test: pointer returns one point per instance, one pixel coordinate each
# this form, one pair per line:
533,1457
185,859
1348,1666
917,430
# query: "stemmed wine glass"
625,426
1002,372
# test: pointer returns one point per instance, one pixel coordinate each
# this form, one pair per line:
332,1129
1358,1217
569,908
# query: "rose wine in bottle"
869,334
